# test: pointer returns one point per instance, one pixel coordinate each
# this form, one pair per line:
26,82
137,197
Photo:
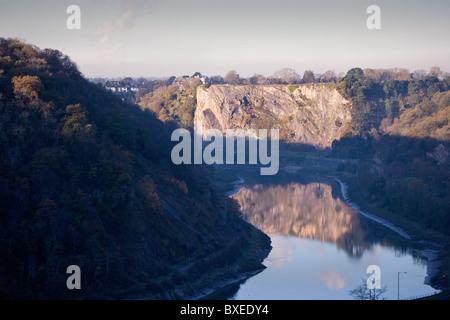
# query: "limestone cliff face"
314,114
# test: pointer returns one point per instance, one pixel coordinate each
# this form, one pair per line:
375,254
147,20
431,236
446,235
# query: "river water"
321,246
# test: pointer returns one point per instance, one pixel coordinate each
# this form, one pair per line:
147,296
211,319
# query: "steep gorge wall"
313,114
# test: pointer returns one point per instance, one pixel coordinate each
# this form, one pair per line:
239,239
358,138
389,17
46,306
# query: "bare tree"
435,71
232,77
216,80
403,74
340,75
258,79
419,73
329,76
371,73
287,76
308,77
362,292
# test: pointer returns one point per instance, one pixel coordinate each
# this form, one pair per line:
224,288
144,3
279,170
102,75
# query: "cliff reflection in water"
307,211
321,247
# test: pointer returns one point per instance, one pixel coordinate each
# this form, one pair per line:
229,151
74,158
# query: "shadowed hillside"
87,180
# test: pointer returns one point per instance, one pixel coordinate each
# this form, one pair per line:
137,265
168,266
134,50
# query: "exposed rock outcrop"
314,114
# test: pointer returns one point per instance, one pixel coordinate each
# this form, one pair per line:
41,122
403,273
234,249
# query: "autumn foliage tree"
26,89
85,179
76,124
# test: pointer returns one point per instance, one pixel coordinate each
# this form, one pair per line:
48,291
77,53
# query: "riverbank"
256,252
438,257
432,256
354,205
440,277
247,265
432,246
203,277
250,265
239,275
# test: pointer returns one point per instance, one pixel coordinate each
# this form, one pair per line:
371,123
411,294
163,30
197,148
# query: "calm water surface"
321,246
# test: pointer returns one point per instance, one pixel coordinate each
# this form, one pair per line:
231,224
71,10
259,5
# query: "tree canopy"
86,179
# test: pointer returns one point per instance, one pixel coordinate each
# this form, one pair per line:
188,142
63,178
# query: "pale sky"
176,37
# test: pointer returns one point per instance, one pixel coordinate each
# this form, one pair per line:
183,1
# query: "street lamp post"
398,284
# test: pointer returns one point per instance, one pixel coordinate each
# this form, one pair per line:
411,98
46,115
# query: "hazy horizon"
179,37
